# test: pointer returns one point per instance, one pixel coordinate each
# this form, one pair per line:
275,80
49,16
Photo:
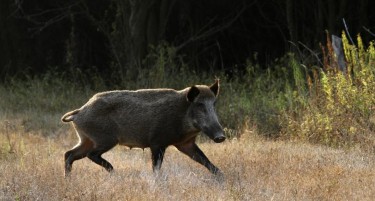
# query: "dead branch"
368,30
347,31
205,33
61,14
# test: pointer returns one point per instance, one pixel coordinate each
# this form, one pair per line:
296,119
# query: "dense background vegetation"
278,67
115,37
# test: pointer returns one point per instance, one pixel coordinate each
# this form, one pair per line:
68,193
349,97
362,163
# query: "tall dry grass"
255,169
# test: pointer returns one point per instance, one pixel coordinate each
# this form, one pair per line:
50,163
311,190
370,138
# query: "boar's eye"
200,105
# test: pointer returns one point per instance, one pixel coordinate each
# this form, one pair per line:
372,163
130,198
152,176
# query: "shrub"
339,108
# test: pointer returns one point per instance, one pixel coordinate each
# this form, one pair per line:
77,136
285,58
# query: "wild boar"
154,118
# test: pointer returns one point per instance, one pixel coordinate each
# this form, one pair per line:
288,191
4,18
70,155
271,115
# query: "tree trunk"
138,30
8,39
290,14
147,25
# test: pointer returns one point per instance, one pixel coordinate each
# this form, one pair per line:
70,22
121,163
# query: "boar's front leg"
192,150
95,154
96,157
157,153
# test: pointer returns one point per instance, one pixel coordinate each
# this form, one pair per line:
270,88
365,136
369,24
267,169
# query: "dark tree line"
116,35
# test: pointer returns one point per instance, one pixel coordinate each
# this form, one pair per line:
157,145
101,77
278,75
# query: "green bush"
340,104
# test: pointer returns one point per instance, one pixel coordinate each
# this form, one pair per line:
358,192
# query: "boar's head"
202,112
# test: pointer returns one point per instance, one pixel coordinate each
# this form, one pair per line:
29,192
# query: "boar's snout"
215,134
218,136
219,139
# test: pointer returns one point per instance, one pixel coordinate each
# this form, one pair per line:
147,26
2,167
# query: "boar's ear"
192,93
215,87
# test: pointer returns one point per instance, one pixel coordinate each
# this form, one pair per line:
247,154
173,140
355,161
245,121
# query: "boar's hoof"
219,139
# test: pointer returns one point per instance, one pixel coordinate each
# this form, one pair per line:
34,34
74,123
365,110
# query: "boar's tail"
69,116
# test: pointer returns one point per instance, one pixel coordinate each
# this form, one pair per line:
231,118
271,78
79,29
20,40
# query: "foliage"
288,100
339,108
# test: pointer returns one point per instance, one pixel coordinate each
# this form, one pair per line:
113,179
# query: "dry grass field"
255,169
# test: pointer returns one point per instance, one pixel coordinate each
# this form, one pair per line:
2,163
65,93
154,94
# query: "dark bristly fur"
154,118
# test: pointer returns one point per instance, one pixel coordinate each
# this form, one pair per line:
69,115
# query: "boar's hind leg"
78,152
157,157
96,154
192,150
